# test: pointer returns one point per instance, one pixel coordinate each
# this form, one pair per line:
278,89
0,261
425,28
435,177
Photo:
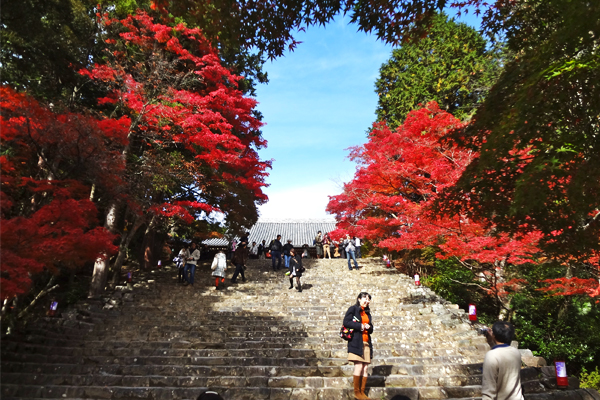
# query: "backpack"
274,246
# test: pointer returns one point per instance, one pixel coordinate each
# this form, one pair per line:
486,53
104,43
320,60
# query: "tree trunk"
99,277
151,254
125,242
101,266
506,311
564,307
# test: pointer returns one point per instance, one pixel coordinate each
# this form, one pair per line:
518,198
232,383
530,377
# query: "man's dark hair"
278,236
504,332
210,395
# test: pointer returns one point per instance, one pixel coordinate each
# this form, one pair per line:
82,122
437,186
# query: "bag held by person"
346,333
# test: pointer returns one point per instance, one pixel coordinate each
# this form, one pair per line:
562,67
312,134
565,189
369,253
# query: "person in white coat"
184,254
218,267
501,378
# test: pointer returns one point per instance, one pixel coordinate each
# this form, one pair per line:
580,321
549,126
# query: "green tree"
538,131
450,66
555,326
43,43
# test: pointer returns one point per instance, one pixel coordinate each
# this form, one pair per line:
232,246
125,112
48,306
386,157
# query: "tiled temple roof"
300,231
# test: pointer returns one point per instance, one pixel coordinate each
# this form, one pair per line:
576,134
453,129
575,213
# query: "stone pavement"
159,340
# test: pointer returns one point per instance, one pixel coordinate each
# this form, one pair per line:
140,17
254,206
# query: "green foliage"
450,66
454,283
590,379
43,43
551,326
76,290
552,338
446,281
556,326
537,131
268,26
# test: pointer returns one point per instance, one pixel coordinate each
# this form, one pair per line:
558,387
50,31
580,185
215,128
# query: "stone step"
337,370
303,394
282,326
300,323
436,366
273,338
9,350
309,381
33,342
190,388
235,393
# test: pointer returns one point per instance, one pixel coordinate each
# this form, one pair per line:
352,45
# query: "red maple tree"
183,101
49,164
194,136
399,175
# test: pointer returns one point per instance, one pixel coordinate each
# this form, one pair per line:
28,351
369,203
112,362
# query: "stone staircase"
158,340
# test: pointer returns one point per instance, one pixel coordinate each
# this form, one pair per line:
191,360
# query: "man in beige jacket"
502,365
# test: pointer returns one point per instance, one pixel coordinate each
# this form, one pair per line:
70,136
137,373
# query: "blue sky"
319,101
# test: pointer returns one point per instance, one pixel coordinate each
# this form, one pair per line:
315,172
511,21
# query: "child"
296,270
219,265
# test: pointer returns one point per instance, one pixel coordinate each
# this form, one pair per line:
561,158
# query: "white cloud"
301,202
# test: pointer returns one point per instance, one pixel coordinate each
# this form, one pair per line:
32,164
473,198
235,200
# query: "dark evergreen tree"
451,66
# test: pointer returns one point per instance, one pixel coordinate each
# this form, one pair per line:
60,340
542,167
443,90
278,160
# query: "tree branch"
44,292
469,284
596,217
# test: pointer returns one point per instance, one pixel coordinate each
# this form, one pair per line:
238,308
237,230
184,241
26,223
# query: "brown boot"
363,385
357,389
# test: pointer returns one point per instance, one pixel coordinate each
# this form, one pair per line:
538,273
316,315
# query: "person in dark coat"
319,244
296,269
262,250
360,347
286,252
239,260
276,248
210,395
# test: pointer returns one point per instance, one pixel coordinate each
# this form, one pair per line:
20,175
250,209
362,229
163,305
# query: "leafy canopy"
399,176
451,66
537,132
193,137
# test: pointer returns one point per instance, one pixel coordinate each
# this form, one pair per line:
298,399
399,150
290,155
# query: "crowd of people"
325,247
186,261
279,253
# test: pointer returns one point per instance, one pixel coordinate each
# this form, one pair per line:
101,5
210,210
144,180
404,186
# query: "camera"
482,331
